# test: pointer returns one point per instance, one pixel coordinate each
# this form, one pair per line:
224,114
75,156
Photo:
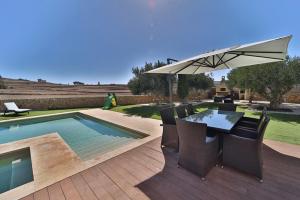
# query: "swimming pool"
15,169
85,135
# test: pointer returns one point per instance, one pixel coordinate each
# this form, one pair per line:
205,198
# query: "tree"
295,64
271,80
154,84
242,78
78,83
195,82
200,81
2,84
157,84
183,86
134,86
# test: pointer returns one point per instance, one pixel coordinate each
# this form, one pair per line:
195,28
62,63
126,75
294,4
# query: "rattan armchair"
169,136
190,109
252,122
197,152
245,153
181,111
228,100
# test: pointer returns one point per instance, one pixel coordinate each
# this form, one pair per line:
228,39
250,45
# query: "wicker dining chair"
252,122
190,109
181,111
247,131
197,152
227,107
169,135
243,150
228,100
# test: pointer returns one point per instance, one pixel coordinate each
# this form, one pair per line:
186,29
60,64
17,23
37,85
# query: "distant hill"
20,88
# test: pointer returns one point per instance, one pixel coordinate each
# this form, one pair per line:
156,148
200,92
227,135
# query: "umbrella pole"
169,60
170,90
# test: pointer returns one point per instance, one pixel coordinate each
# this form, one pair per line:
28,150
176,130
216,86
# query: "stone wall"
293,96
88,101
73,102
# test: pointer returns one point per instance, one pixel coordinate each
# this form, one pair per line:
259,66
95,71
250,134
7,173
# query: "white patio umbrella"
266,51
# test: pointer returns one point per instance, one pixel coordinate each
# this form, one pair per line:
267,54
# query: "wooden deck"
147,172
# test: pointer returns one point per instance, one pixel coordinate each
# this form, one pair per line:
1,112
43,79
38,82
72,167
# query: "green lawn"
36,113
282,127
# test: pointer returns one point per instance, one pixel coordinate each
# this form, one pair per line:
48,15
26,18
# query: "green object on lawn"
110,101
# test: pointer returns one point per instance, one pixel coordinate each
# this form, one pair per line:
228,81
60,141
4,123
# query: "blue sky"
100,40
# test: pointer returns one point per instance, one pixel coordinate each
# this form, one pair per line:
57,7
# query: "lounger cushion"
12,107
22,110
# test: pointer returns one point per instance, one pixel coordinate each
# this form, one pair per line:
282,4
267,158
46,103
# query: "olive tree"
242,78
194,81
271,80
2,84
154,84
183,86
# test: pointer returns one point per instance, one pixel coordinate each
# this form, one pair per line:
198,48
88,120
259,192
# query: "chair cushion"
249,121
246,133
247,124
244,127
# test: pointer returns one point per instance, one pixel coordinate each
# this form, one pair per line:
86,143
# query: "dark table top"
217,119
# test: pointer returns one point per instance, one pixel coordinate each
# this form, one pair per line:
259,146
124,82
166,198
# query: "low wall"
293,96
290,97
50,103
73,102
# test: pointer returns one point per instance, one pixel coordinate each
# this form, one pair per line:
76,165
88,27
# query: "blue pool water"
15,169
86,136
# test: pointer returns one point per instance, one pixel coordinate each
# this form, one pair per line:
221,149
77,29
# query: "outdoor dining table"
222,121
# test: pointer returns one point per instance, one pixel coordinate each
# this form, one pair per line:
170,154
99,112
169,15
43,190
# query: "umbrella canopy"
267,51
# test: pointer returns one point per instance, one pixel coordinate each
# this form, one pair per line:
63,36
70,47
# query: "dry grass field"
24,88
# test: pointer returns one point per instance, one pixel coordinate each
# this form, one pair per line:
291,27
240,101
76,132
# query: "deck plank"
123,180
29,197
113,189
41,195
55,192
95,184
149,172
168,190
82,187
69,190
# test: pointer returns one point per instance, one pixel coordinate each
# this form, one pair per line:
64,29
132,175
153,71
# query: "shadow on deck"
148,172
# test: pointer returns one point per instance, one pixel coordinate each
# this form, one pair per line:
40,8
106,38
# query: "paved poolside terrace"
142,170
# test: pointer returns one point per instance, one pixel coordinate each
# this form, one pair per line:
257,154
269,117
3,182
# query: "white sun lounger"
12,107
